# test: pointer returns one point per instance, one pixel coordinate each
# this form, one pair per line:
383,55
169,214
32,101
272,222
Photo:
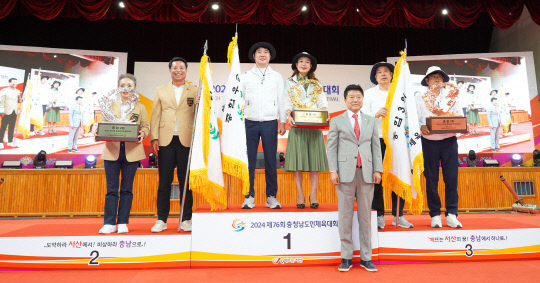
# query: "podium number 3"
469,251
93,261
288,238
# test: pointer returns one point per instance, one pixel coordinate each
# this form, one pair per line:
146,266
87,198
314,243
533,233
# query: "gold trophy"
445,121
308,115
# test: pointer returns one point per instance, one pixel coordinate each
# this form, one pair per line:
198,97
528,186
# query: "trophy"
445,121
118,129
307,115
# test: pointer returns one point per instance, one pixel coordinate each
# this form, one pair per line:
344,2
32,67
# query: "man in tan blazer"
355,164
171,127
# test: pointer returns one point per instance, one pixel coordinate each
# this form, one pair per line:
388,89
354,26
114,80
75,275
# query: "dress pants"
346,193
494,136
267,131
171,156
112,175
73,137
446,152
378,195
8,120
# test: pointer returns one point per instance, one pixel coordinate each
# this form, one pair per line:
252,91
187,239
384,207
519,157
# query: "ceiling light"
215,6
121,4
444,11
304,8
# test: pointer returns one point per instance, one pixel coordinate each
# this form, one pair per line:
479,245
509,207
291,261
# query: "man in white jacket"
264,105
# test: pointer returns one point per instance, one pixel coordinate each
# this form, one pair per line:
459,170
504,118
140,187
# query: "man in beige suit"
171,127
355,164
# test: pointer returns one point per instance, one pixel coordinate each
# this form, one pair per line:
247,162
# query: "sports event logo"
238,225
285,260
27,160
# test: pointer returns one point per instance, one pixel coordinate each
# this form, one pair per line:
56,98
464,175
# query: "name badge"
134,117
190,101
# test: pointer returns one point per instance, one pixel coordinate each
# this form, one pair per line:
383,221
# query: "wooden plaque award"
308,116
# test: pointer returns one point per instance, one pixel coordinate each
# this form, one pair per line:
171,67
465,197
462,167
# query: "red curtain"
391,13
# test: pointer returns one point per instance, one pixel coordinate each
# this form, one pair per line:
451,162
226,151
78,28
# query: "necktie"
357,133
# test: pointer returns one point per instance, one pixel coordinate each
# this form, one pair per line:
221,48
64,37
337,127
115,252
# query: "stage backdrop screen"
57,77
509,77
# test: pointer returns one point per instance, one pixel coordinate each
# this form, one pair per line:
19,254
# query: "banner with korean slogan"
206,174
24,118
403,163
233,131
88,110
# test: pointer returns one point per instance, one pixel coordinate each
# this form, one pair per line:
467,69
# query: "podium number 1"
288,238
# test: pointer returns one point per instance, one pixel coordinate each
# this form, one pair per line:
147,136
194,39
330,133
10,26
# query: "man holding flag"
170,135
374,105
403,162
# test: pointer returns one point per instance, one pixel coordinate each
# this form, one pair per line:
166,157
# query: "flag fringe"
230,51
38,123
238,169
87,127
212,192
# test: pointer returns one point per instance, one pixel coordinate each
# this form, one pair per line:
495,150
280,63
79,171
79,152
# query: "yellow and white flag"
403,162
233,130
87,110
24,118
506,118
206,175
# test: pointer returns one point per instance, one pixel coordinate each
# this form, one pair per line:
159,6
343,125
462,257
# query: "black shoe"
345,265
313,205
368,265
69,150
301,205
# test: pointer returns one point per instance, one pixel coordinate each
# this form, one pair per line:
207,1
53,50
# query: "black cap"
262,44
304,54
374,71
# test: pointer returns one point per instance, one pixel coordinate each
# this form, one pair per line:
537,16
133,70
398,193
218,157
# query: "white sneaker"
249,203
41,133
403,223
458,135
436,221
32,134
186,225
10,144
451,220
272,203
107,229
159,226
122,228
380,222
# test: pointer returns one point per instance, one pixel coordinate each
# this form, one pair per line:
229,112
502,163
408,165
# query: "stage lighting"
121,4
304,8
516,160
444,12
63,164
472,159
40,160
152,160
215,6
90,161
536,157
12,164
491,163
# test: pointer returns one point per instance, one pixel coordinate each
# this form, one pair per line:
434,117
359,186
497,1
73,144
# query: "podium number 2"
93,261
288,238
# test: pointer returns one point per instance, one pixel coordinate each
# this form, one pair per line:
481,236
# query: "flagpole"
397,196
191,147
229,176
